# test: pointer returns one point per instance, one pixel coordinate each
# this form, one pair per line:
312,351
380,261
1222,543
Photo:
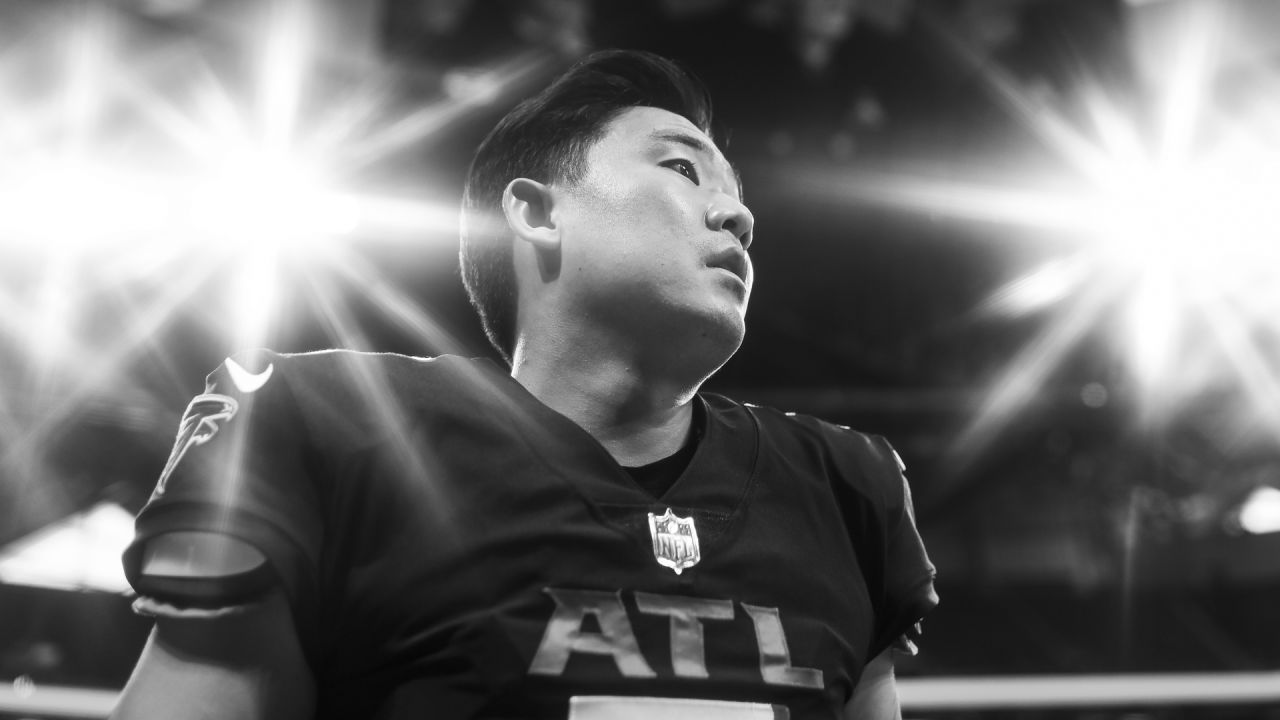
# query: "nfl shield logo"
675,541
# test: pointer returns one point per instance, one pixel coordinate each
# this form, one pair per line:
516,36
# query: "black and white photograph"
639,359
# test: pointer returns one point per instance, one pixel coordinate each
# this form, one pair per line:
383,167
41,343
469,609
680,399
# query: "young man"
586,536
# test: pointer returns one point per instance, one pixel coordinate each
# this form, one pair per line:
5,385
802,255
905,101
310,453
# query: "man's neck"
638,416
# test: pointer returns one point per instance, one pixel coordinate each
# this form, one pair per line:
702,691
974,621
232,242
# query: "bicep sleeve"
908,591
241,466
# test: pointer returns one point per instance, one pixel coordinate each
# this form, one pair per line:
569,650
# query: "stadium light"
1260,512
150,173
1167,215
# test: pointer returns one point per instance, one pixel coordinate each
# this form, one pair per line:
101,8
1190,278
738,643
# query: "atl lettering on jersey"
566,634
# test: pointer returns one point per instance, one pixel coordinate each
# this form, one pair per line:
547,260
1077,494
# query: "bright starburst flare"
147,185
1178,256
1174,240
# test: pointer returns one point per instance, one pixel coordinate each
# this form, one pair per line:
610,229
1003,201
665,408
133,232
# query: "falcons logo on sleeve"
199,425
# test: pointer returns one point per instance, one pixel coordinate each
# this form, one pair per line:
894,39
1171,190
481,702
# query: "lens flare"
1169,233
200,176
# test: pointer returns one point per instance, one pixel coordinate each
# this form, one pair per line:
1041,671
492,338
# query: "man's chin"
699,339
721,338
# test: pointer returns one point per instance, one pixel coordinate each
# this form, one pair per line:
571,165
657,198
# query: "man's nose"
728,213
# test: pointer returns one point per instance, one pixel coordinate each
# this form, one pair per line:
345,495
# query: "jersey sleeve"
908,592
241,466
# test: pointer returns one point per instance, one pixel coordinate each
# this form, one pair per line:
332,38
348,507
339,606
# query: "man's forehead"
651,125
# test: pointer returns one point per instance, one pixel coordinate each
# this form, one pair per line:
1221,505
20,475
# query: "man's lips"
732,259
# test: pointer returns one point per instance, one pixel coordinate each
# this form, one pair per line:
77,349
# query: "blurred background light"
79,552
1261,511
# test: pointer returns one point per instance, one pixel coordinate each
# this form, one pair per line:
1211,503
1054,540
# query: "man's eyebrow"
684,138
696,143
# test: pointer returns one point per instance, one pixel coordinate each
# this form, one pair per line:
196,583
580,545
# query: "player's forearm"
248,668
876,695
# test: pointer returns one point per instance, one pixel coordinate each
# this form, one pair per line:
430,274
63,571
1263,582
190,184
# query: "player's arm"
875,697
242,661
908,591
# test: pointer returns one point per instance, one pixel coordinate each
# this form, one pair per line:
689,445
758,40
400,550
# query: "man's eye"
685,168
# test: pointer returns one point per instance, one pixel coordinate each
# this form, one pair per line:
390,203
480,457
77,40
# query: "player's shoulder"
813,429
252,370
862,461
340,388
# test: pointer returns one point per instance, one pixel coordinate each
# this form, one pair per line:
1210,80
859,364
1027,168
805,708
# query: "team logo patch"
199,425
675,541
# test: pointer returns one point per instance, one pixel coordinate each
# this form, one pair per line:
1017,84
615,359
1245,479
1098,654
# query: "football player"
578,534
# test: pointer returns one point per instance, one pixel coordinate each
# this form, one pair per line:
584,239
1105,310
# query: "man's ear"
527,206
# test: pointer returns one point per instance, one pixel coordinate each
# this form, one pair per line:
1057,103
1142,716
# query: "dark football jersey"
454,548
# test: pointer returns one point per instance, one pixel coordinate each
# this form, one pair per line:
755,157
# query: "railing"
957,693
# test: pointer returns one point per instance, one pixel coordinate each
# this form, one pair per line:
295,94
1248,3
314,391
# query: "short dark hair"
547,138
